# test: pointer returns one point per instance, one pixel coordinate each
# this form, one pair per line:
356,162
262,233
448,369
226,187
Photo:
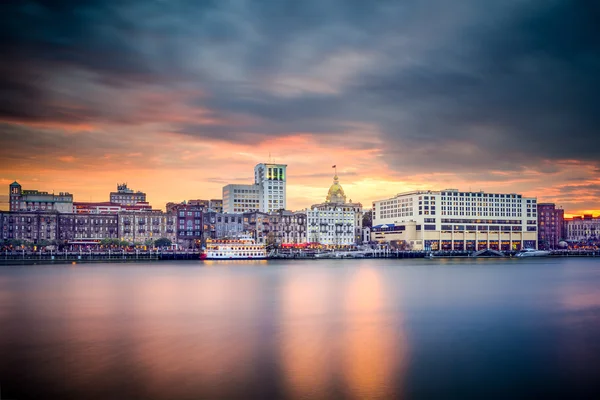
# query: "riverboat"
239,248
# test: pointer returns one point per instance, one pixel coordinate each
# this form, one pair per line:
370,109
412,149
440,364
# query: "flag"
333,166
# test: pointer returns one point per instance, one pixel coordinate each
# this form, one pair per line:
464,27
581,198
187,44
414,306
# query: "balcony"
127,222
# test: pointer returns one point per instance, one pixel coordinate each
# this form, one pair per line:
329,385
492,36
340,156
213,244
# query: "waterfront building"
86,228
228,225
35,200
278,227
257,223
127,196
336,199
331,227
584,228
550,225
143,227
454,220
189,224
34,227
267,194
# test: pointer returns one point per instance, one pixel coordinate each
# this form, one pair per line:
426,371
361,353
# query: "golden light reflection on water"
308,354
374,350
341,337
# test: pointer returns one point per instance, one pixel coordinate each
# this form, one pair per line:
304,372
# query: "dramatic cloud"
493,95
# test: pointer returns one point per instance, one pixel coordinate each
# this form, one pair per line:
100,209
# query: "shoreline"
100,258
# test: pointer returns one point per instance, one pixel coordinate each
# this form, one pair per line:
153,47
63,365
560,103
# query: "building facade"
34,200
455,220
271,180
584,229
108,207
332,227
550,225
34,227
127,196
143,227
241,198
79,228
336,199
189,223
267,194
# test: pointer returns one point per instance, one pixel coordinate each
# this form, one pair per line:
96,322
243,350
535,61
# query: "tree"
162,242
149,242
124,243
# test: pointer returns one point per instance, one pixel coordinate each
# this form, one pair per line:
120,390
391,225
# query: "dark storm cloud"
494,84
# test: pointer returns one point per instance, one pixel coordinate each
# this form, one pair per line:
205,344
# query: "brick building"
550,225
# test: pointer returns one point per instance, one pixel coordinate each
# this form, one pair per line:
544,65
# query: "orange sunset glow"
179,112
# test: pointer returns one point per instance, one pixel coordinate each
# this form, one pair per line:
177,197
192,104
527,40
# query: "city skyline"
494,96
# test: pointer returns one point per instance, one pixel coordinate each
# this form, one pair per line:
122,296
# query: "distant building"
278,227
84,228
34,200
583,229
189,223
454,220
336,199
139,227
241,198
216,205
550,225
267,194
127,196
213,204
331,227
271,179
33,227
108,207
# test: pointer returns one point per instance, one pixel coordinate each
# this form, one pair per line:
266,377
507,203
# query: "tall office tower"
271,179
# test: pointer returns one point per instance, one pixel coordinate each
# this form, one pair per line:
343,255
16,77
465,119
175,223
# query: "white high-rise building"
271,178
267,194
454,220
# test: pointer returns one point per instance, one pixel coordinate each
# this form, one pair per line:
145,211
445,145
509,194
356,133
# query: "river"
304,329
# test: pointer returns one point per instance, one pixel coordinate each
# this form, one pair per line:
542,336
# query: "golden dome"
336,192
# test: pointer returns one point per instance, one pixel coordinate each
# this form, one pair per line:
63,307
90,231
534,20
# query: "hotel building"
267,194
455,220
34,200
126,196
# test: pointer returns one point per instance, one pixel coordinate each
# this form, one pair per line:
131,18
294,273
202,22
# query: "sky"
178,98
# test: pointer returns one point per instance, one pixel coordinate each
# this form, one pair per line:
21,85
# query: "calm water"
301,329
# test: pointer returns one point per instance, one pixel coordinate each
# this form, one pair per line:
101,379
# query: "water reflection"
333,329
341,337
373,344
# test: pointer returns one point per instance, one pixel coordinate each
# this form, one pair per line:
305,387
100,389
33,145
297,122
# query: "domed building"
336,193
335,206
